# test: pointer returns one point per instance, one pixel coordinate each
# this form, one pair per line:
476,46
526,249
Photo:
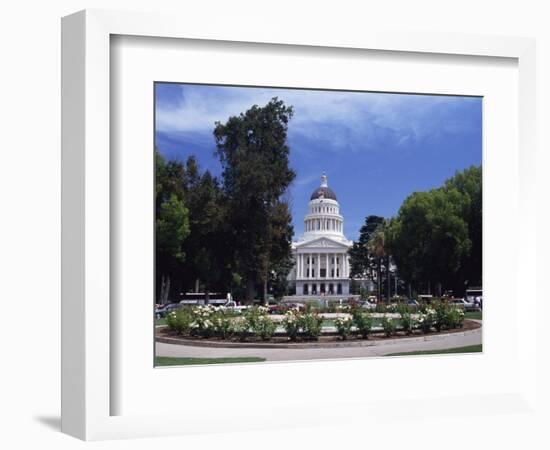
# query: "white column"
345,266
298,265
326,265
318,269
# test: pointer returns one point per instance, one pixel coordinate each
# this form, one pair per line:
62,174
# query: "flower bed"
255,324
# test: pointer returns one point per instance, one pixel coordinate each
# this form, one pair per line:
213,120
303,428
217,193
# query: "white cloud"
335,117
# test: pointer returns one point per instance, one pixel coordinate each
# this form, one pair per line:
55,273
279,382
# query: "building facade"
321,253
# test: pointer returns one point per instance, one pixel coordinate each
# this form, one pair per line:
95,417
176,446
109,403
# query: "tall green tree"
206,247
469,183
254,154
171,224
362,262
431,239
378,248
279,261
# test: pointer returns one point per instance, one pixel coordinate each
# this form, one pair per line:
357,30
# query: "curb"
311,345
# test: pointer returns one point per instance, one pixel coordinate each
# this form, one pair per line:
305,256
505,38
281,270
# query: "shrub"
179,321
258,322
291,324
223,324
426,320
402,309
202,324
388,325
363,322
311,306
454,318
311,325
380,308
407,322
343,326
241,329
264,328
440,316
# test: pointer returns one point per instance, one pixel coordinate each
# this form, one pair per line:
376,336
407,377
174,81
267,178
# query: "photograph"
298,224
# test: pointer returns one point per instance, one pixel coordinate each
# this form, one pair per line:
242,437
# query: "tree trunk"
379,280
206,294
264,300
389,278
164,289
249,291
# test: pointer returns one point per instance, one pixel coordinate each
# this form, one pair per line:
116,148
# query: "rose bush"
363,321
388,325
291,324
343,326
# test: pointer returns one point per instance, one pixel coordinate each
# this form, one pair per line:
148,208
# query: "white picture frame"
87,325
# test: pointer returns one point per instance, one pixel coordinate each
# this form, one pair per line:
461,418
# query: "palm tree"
378,249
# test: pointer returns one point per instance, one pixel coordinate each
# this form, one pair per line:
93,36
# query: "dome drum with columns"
320,254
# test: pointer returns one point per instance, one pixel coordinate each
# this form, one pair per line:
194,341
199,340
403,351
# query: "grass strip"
170,361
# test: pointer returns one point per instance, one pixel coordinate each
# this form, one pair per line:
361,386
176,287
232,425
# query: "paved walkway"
294,354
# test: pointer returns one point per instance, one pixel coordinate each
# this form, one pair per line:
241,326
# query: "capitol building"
320,254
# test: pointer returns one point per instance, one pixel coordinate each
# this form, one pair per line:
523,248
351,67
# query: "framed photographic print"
259,258
249,213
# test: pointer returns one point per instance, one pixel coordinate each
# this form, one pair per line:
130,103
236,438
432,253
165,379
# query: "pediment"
322,242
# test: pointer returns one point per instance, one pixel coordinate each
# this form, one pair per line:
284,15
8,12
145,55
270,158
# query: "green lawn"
160,321
168,361
467,349
477,315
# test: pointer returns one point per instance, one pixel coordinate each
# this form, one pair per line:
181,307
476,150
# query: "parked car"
412,302
162,310
368,304
232,306
464,304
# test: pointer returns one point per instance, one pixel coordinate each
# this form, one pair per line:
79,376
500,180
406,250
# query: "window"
332,273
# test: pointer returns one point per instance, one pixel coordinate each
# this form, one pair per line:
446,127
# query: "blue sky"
375,148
